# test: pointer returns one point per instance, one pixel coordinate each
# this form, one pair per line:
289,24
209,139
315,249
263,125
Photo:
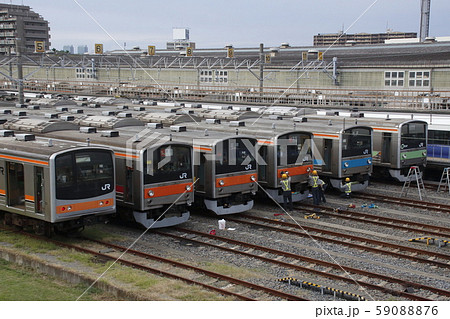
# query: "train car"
49,185
279,150
225,166
398,143
154,172
438,147
341,151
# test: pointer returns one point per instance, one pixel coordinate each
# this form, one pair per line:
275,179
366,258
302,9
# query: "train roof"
386,122
309,125
39,125
166,118
109,122
28,147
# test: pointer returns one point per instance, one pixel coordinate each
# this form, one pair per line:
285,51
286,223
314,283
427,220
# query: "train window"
84,174
168,162
439,137
293,148
356,142
235,155
413,135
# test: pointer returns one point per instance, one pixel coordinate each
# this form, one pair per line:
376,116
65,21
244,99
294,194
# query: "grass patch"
23,284
100,232
27,244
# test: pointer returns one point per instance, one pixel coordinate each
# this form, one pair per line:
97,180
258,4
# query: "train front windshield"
235,155
414,135
357,142
294,148
84,174
167,163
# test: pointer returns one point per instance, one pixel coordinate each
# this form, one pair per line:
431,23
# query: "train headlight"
69,208
308,169
369,161
345,164
101,203
253,178
188,188
150,193
404,156
424,153
221,182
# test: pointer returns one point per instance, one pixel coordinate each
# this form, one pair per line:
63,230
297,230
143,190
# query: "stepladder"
414,175
444,183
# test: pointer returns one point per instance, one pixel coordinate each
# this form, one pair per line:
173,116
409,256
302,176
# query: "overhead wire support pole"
261,69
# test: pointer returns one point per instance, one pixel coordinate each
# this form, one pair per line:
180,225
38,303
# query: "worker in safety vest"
315,182
287,191
347,187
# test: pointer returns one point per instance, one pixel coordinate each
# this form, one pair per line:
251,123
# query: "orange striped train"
49,186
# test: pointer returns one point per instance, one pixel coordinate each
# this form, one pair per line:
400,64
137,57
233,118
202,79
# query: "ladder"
413,175
445,180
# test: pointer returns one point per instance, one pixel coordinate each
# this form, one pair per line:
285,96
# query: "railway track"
340,238
404,202
443,232
142,259
248,250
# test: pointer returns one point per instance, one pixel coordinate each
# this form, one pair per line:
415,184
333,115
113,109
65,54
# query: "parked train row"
171,160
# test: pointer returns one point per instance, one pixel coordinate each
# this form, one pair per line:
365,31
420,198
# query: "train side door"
327,153
128,196
200,173
15,176
262,168
386,148
39,190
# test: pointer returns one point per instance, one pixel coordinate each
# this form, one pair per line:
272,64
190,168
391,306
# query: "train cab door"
327,153
39,190
15,176
386,148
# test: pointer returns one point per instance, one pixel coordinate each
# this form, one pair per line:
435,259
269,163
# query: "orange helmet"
347,179
284,176
314,172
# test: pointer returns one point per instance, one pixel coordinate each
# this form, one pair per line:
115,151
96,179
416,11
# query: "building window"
419,78
216,76
394,78
87,73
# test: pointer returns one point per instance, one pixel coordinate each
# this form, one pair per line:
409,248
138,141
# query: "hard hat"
314,172
284,176
347,179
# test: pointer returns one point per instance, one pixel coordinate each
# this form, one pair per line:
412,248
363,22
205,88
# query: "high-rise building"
68,48
20,28
82,49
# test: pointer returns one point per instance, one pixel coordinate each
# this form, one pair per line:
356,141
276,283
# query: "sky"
215,23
